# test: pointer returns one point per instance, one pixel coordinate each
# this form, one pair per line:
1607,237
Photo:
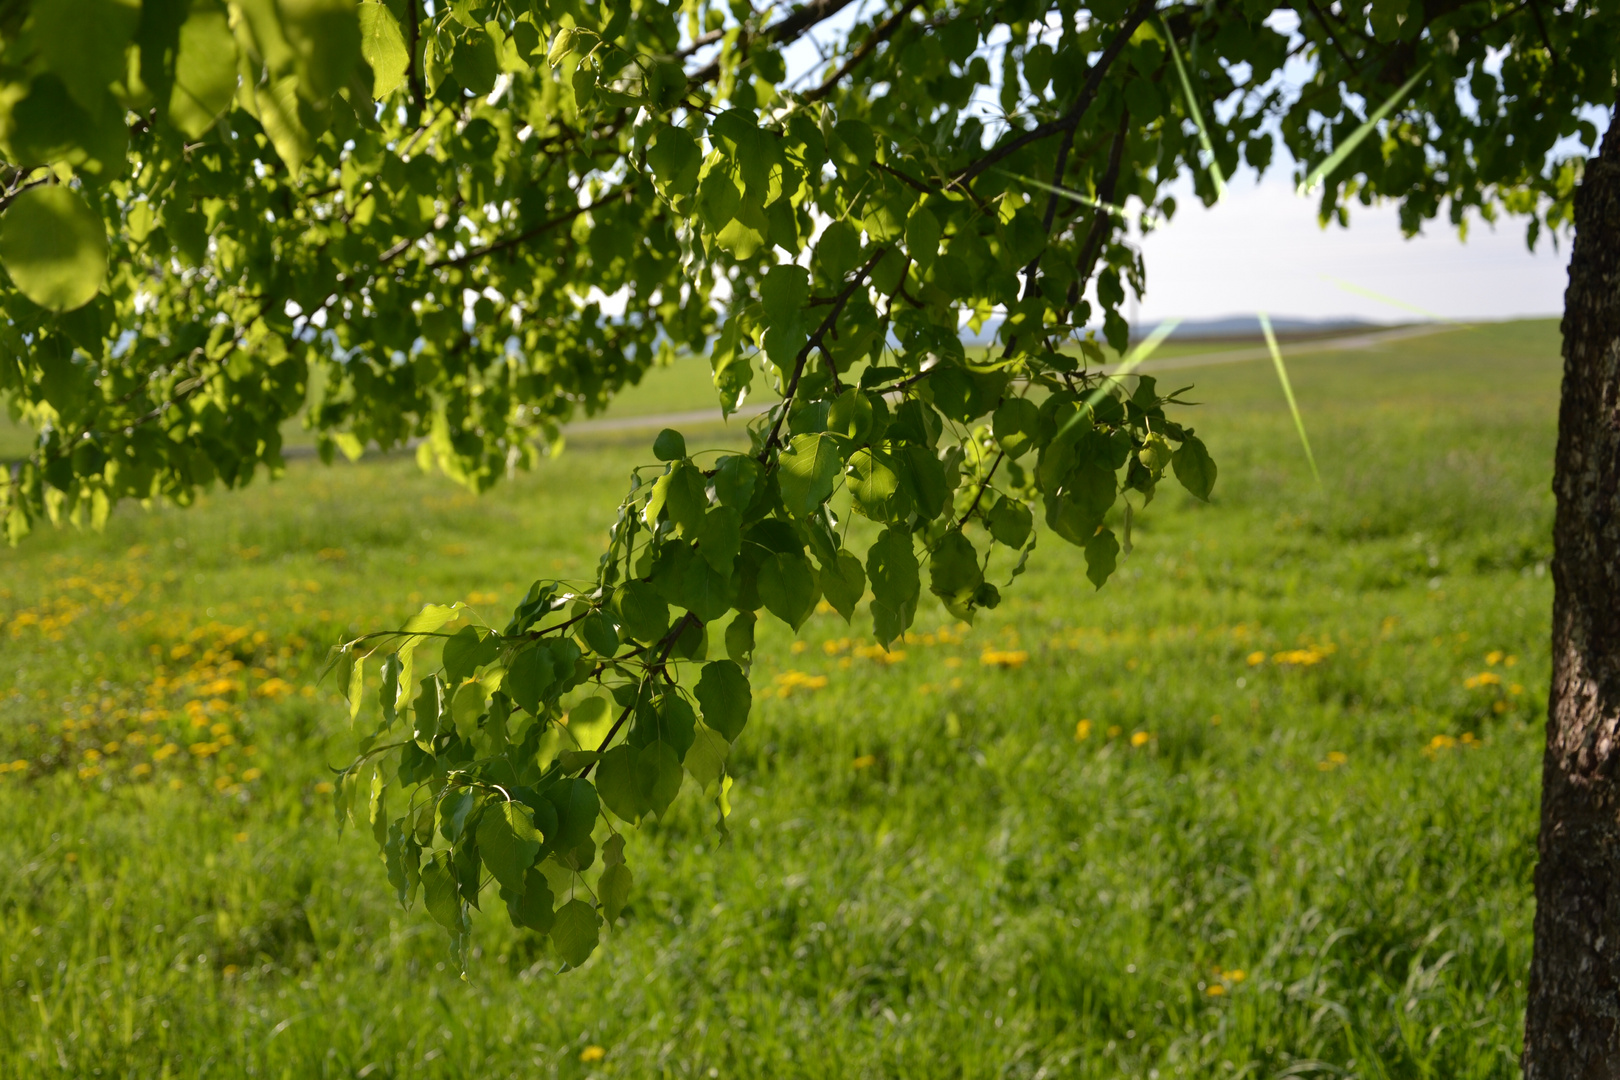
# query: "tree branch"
1082,101
782,32
983,486
1099,220
531,232
877,37
813,344
413,15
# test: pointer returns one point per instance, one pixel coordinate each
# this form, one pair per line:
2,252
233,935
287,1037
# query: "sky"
1261,249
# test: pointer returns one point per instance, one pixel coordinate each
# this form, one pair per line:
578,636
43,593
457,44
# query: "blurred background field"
1264,806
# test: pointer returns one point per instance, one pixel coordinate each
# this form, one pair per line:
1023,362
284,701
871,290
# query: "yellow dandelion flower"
1082,731
1114,731
1494,657
1008,659
1237,975
323,788
865,761
1484,678
167,750
1256,658
1140,738
1215,990
252,774
798,647
143,769
592,1054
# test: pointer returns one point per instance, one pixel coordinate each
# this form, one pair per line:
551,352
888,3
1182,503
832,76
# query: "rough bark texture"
1572,1025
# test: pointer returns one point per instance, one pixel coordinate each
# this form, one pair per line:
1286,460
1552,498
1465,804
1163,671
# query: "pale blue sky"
1261,249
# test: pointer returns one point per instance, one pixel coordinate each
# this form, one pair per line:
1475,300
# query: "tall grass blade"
1359,290
1345,148
1084,200
1288,392
1197,115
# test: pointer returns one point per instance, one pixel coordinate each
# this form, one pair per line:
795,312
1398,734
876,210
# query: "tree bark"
1572,1024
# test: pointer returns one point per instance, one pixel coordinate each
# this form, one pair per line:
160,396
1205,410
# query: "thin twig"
1092,248
1082,101
532,232
418,90
782,32
983,486
813,344
878,36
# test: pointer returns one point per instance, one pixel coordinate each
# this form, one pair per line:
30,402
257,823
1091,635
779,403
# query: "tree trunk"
1572,1024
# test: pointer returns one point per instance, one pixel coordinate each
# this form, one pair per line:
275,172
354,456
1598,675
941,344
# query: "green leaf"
508,842
807,471
740,637
839,250
532,907
1102,554
531,672
643,615
681,494
325,39
736,478
725,697
467,708
618,785
1010,522
427,709
470,649
669,446
783,293
706,758
474,62
598,633
54,247
441,897
675,158
574,932
1016,424
787,588
83,41
204,70
876,487
1194,468
613,889
383,46
843,583
922,236
658,769
684,578
891,566
925,474
285,117
953,570
720,539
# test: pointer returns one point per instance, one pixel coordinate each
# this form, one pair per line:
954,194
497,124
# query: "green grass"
926,877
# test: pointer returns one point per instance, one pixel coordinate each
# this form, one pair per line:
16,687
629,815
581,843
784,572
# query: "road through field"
1230,356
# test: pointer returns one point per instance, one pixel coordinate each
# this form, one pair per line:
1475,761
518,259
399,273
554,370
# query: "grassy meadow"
1264,806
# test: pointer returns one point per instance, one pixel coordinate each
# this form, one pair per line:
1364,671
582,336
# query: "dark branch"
812,345
1082,101
413,16
1099,219
531,232
878,36
781,32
